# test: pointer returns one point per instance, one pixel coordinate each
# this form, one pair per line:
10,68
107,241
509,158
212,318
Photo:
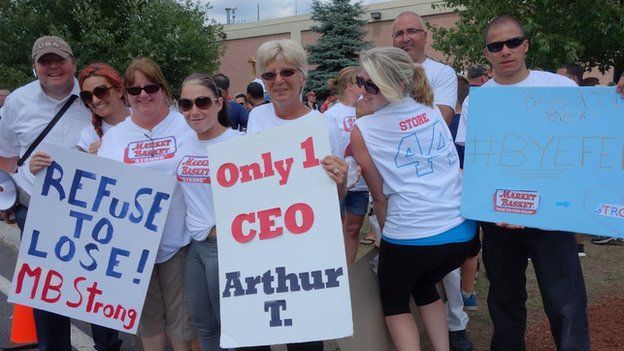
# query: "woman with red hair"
102,91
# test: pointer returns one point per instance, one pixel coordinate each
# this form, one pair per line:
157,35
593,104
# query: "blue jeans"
202,291
54,330
560,280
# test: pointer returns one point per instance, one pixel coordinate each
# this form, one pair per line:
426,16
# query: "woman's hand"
39,161
335,168
95,146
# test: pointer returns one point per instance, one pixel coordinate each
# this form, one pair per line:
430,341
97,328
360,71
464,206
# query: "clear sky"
246,10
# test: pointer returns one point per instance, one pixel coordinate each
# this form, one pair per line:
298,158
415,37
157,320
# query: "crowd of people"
415,195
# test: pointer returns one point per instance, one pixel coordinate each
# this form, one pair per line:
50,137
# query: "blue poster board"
549,158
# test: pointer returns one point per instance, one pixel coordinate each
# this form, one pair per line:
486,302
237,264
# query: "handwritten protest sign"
90,239
551,158
282,266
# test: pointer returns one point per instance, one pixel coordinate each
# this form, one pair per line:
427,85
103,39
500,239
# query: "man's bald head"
409,33
501,20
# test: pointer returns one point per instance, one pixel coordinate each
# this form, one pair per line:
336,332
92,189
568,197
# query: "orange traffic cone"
23,328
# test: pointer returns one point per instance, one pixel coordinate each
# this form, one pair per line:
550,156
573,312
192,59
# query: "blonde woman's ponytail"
421,91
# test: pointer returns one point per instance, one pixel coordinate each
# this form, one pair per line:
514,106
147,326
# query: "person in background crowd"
330,101
152,122
424,237
237,114
469,267
203,106
102,91
477,75
590,82
342,114
241,99
284,67
255,94
310,101
3,94
572,71
507,247
409,33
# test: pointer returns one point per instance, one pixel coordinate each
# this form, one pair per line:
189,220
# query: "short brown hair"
152,72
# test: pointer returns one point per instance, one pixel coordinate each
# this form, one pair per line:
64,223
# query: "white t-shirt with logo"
156,149
89,136
344,118
414,153
534,79
443,81
26,113
263,117
194,178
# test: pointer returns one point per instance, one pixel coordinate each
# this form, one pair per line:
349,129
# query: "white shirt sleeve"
9,144
445,88
460,138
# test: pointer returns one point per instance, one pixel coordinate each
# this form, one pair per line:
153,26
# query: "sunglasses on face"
369,86
101,92
288,72
202,102
150,89
410,33
510,43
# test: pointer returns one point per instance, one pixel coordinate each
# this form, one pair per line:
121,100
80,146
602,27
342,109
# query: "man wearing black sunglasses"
409,33
237,114
507,247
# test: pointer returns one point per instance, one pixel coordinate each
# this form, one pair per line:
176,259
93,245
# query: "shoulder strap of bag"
47,129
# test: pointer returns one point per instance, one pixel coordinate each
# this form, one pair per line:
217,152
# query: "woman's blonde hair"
339,84
288,49
396,75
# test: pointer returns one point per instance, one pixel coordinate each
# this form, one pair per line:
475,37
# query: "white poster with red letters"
90,239
282,267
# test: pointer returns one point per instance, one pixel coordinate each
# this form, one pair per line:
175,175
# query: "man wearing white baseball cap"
27,113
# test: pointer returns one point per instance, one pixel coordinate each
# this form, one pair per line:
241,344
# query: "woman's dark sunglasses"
369,86
510,43
288,72
202,102
101,92
150,89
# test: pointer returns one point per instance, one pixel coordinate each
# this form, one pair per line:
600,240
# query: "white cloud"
246,10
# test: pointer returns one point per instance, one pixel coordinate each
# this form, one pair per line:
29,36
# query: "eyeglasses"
369,86
510,43
150,89
202,102
101,92
288,72
410,32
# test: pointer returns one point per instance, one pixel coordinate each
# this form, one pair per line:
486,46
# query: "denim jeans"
54,330
202,291
559,276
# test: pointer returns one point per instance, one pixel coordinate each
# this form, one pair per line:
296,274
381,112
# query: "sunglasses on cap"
369,86
288,72
202,102
510,43
101,92
150,89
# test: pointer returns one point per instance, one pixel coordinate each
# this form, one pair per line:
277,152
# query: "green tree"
342,38
588,32
178,35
